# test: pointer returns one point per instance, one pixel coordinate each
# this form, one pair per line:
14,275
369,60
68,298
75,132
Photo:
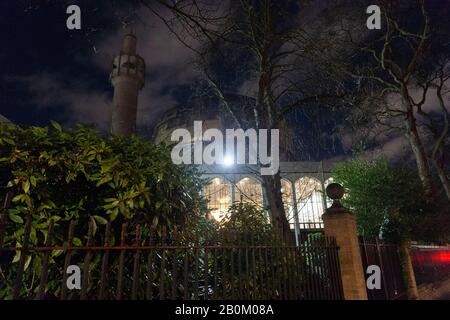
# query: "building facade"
302,188
303,182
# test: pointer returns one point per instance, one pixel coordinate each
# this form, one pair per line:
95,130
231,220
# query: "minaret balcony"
126,65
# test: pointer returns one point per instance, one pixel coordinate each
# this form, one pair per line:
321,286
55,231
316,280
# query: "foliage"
59,175
246,218
384,199
63,175
249,226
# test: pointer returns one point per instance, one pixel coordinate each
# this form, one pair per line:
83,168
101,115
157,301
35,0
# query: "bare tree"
269,44
436,120
390,70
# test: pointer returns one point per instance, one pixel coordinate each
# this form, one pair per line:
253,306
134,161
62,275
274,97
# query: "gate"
386,256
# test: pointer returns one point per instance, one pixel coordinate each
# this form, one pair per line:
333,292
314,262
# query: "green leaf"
27,261
26,186
55,218
155,221
77,242
104,180
94,225
15,218
33,237
114,214
56,125
100,220
56,253
16,256
9,141
45,233
33,181
18,198
27,200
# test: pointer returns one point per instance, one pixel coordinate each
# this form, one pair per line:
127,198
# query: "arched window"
309,202
218,193
326,183
249,190
288,202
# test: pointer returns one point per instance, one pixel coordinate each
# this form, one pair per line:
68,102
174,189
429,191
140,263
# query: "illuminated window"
286,194
249,190
326,183
218,193
309,202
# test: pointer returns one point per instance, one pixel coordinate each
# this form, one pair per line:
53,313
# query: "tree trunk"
420,155
443,177
272,185
408,271
264,119
421,158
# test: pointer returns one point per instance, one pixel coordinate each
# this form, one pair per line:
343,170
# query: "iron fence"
387,257
145,263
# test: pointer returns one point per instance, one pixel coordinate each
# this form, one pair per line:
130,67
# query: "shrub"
386,200
59,175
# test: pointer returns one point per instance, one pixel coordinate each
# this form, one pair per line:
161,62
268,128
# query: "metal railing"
138,262
387,257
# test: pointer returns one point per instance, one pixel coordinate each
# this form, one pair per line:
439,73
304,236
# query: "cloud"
249,88
396,148
431,104
86,100
81,104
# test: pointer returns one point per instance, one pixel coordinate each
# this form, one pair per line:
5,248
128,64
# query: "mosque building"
302,182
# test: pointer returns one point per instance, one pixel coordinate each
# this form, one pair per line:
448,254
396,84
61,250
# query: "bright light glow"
219,215
228,160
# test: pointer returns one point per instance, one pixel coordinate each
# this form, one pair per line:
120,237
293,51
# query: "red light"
441,256
432,256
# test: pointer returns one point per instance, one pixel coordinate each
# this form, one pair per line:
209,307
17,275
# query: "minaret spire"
127,77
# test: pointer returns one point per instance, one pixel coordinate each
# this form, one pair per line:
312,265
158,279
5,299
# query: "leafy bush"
63,175
60,175
245,218
387,200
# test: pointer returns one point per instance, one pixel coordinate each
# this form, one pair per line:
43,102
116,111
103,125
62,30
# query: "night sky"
50,72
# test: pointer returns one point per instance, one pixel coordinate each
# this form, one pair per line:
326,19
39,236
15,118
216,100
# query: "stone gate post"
340,223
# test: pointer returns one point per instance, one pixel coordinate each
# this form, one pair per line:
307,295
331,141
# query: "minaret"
127,77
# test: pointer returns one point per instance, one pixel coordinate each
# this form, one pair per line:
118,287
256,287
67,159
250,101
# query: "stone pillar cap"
335,192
